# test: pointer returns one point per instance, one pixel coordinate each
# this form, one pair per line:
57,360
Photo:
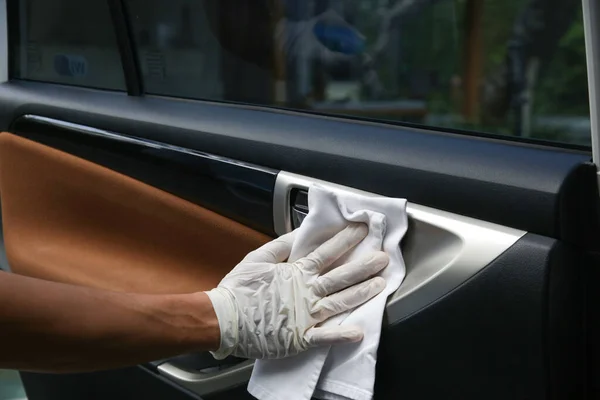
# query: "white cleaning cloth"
345,371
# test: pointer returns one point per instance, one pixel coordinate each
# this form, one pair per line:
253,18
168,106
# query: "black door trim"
532,188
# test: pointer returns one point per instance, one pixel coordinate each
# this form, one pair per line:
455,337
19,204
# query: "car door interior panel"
70,220
489,308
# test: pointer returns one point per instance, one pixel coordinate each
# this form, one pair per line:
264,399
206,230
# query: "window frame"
591,23
132,74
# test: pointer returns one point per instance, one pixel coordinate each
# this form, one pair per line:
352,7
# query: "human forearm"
266,307
64,328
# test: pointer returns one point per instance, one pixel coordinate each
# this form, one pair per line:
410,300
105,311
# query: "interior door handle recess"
299,206
441,251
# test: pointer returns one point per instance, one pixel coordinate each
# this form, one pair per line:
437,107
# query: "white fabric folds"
344,371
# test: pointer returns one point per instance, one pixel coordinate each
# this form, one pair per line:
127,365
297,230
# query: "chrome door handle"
441,250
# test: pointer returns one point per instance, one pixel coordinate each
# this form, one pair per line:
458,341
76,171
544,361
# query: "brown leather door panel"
70,220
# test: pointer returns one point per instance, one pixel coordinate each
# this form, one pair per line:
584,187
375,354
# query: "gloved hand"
268,308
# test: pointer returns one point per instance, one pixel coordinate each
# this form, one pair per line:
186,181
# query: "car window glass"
65,41
509,67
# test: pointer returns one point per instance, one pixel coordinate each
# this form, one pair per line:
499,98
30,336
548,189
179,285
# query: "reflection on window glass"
65,41
511,67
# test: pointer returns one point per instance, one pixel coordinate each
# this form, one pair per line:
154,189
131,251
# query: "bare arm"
54,327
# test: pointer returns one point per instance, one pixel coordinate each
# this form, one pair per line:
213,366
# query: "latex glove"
268,308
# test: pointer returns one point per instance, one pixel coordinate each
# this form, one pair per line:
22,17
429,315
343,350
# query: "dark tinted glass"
65,41
510,67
